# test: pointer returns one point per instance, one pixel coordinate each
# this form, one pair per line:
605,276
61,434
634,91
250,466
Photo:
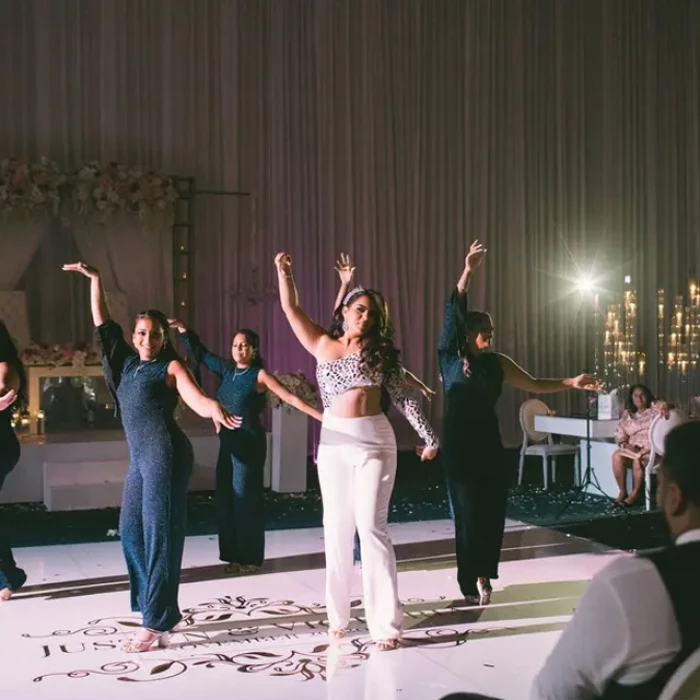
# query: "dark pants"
478,492
240,499
152,527
11,576
467,696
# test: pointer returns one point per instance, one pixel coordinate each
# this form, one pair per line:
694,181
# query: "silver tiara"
352,293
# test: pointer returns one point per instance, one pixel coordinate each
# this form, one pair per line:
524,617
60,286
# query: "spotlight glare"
585,284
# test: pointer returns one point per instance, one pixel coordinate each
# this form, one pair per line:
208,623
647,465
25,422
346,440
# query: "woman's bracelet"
284,274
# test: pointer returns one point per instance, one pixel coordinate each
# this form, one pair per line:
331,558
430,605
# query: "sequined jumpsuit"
240,499
154,505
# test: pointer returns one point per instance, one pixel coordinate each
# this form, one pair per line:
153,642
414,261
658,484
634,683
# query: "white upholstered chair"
542,445
658,430
685,682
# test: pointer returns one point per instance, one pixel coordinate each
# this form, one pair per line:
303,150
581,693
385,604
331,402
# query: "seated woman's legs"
619,466
637,480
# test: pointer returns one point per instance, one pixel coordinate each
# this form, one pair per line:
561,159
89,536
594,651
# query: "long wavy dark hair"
253,340
379,355
646,393
9,354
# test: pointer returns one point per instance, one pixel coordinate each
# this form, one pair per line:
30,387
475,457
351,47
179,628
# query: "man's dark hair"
682,459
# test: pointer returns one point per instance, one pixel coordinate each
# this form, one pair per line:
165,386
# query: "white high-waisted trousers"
356,471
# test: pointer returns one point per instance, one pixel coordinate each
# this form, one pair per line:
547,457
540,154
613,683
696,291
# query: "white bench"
84,485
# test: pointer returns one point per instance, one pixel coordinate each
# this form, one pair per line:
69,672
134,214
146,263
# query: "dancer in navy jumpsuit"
146,382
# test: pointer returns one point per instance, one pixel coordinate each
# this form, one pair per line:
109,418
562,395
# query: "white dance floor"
263,637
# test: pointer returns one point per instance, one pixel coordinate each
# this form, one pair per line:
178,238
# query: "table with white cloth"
602,445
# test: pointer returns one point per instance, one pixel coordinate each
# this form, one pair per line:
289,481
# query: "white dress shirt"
624,630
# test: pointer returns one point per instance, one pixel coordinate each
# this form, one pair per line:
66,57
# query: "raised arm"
198,401
271,384
397,387
214,363
115,350
98,302
448,336
516,377
345,270
307,332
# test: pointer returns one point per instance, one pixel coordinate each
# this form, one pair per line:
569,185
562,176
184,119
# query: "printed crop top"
335,377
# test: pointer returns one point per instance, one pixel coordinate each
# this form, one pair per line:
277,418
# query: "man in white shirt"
640,616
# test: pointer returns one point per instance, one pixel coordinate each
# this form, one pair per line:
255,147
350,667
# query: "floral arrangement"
77,355
30,186
298,384
106,189
115,187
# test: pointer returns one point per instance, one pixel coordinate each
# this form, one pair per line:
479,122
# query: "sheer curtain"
20,237
563,134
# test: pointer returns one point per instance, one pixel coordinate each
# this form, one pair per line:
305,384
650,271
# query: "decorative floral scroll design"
77,355
115,187
121,669
227,607
216,610
28,187
306,664
298,384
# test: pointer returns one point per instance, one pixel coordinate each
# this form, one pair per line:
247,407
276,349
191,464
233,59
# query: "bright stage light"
585,284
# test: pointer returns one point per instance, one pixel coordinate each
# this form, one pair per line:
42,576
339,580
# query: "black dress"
11,576
472,453
240,482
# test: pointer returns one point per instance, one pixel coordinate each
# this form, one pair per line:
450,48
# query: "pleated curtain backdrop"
562,134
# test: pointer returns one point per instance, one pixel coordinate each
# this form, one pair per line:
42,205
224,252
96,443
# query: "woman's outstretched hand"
176,323
586,382
82,268
222,418
6,400
345,268
475,256
283,263
426,453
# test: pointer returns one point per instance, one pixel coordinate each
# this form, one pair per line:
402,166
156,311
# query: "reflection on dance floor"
266,634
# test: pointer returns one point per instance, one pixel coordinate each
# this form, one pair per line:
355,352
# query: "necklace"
239,374
143,364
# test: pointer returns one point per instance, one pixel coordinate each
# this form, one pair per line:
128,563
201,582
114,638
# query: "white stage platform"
73,471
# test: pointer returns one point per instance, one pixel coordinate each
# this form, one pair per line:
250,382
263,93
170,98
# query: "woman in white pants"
357,452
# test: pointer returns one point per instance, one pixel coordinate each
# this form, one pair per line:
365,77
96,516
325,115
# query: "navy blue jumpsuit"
152,525
240,496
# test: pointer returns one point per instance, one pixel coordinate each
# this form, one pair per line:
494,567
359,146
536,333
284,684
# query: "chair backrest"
660,427
528,410
685,682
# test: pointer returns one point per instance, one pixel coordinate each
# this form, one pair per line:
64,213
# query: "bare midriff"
357,403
